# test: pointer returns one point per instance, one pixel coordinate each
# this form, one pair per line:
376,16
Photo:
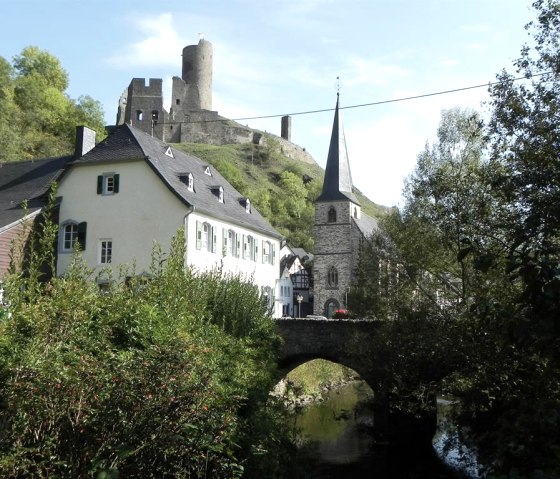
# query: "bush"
149,379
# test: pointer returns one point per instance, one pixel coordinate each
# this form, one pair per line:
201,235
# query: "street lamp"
299,298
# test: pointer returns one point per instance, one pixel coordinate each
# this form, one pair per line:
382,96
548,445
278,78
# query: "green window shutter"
224,241
198,235
263,247
214,238
256,253
238,246
116,183
244,246
100,184
82,232
273,254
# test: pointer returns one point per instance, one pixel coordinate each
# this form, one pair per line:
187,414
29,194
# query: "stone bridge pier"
346,342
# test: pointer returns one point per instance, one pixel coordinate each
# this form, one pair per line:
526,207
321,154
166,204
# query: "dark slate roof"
337,184
302,254
366,224
129,143
27,180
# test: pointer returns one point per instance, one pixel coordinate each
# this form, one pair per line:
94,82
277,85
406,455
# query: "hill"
282,189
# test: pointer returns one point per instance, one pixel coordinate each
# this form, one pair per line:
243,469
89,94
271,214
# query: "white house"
132,190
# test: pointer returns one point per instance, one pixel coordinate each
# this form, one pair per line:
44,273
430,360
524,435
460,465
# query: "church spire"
337,185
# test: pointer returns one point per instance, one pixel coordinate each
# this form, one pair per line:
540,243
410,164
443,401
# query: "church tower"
337,229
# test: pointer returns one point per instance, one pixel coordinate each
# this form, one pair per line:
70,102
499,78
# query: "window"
250,248
155,115
218,192
187,179
105,251
247,205
205,236
108,184
355,212
332,277
72,232
70,236
207,171
266,252
169,152
139,115
177,101
231,243
332,215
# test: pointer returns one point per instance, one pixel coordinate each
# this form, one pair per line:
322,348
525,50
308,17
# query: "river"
338,432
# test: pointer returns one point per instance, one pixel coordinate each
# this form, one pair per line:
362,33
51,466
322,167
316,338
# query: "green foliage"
153,377
312,377
37,118
275,185
477,246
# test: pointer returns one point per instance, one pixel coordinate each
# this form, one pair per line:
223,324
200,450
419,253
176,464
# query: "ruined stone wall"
144,106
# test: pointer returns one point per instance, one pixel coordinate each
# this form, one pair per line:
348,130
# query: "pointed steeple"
337,185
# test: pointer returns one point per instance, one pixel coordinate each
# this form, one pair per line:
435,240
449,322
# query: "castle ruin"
190,118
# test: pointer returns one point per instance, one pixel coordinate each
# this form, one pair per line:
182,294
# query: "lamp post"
299,298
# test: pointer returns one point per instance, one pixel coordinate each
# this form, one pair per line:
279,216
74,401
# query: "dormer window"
187,179
207,171
169,152
218,191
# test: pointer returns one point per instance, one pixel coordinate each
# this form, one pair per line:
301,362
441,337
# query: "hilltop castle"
190,118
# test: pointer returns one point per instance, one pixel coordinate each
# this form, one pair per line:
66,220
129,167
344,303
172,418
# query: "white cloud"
160,45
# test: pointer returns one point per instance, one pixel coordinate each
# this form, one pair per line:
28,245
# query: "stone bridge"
343,341
348,342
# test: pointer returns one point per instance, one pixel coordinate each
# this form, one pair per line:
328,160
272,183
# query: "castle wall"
144,106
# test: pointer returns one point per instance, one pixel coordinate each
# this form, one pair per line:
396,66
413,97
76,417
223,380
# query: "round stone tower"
197,74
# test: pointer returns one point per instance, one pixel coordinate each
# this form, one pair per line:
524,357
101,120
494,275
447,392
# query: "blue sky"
283,56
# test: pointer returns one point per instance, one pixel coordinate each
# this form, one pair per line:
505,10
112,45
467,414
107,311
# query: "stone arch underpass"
343,341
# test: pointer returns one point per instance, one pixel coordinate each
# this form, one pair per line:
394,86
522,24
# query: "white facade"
135,210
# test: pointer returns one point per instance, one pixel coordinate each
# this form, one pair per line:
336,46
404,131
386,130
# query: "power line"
394,100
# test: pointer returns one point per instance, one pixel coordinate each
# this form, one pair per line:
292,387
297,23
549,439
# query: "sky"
284,57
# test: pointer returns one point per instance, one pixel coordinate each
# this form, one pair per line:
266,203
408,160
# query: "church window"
332,215
332,277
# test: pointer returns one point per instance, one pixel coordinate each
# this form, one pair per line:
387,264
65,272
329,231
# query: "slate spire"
337,185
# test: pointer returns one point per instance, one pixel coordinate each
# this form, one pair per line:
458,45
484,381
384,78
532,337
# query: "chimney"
286,128
85,141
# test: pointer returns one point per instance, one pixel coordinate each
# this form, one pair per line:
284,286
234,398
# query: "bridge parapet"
342,341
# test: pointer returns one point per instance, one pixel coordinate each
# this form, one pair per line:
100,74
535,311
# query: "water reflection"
340,433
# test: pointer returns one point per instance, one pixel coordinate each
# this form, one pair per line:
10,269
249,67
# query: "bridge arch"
347,342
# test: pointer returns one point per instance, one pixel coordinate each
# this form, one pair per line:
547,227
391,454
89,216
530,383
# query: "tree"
161,377
37,118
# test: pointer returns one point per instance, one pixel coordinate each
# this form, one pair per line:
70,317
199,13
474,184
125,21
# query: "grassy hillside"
282,189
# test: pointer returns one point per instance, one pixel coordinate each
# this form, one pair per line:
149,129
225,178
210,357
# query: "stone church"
340,226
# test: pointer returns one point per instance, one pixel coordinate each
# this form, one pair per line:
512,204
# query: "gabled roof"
27,180
131,144
337,184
